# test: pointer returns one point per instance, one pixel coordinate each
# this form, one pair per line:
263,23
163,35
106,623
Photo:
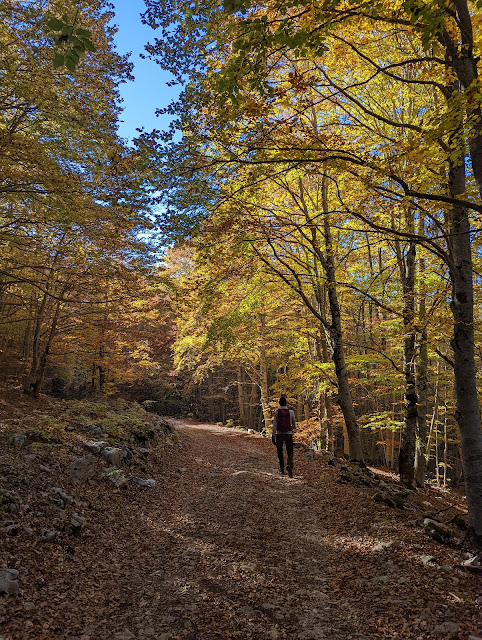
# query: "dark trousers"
287,439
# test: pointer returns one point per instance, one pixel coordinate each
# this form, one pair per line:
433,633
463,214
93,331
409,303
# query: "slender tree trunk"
422,379
421,432
93,378
370,303
35,347
336,338
325,413
27,337
406,459
242,418
326,416
210,397
263,386
252,405
98,372
445,450
263,370
433,421
392,448
437,468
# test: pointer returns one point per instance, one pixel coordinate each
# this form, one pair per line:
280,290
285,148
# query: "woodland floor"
225,548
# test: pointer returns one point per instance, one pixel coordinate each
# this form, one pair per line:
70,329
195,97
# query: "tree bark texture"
467,412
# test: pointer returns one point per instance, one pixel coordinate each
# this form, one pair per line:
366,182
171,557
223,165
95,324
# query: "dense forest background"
309,225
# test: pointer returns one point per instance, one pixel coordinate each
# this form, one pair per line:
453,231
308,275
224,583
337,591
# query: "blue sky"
149,91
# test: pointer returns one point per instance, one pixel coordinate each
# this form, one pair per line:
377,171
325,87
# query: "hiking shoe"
290,472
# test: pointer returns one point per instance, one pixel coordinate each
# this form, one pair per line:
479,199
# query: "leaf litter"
210,552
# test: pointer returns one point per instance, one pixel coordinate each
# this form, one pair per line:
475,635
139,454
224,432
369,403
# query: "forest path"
225,548
247,553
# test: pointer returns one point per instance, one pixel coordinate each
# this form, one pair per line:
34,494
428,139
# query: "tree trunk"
433,421
437,467
406,459
326,409
37,371
263,374
328,421
445,451
93,378
242,419
336,339
253,405
210,397
35,347
462,60
265,394
422,380
392,449
325,413
98,373
467,412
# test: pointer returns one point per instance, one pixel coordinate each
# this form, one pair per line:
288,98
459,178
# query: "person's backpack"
284,421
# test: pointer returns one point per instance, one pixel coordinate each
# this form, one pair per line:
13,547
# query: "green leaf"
73,55
78,44
83,32
89,45
55,24
58,61
70,64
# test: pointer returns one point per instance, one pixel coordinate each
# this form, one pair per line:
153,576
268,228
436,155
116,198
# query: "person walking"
283,424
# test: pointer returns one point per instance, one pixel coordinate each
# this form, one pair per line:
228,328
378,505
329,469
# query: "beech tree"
249,104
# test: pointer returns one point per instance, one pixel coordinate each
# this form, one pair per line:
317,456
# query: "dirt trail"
246,553
224,547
